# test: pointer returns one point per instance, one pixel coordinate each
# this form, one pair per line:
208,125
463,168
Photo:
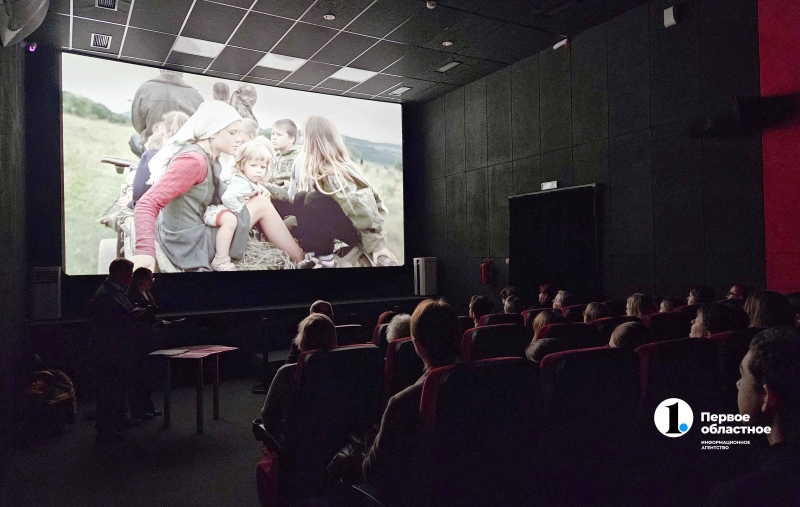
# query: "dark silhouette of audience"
399,327
669,304
739,291
478,307
514,304
639,305
319,306
547,292
769,309
716,318
563,298
144,374
701,295
629,335
595,311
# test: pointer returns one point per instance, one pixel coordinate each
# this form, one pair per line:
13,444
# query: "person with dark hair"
769,393
700,295
146,341
221,91
669,304
629,335
537,350
563,298
478,307
639,305
716,318
388,464
514,304
315,332
543,319
794,302
739,291
594,311
769,309
547,292
507,292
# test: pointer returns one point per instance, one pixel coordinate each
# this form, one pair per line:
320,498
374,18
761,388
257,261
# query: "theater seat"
668,326
573,313
690,310
501,318
607,325
502,340
576,336
465,323
403,367
529,315
480,435
732,346
379,336
349,334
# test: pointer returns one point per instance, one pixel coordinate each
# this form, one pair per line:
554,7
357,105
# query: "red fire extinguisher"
486,272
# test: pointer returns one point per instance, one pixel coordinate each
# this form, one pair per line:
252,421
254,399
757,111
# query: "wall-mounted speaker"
46,293
425,276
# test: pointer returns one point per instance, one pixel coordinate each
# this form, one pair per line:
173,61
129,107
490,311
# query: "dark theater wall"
612,108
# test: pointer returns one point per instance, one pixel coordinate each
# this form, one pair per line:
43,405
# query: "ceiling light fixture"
197,47
329,17
447,43
281,62
400,91
445,68
353,75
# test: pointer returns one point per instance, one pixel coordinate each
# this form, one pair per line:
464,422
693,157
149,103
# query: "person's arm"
184,172
238,187
389,444
361,207
278,396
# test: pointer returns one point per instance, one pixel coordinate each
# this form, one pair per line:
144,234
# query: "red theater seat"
502,340
349,334
403,367
690,310
732,347
573,313
379,336
465,323
607,325
529,315
576,336
668,326
501,318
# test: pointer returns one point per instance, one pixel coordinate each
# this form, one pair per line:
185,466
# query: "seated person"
315,332
595,311
629,335
769,309
547,292
739,291
478,307
507,292
319,306
388,464
563,298
769,392
544,318
514,304
539,349
669,304
639,305
399,327
701,295
716,318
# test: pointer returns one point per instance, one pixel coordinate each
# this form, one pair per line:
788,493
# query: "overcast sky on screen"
114,84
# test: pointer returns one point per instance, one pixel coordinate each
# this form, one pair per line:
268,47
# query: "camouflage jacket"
278,183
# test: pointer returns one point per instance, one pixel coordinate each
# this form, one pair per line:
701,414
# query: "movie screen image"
186,172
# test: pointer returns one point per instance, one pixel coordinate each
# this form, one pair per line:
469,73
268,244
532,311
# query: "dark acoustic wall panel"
676,274
525,107
554,96
590,163
456,213
527,175
631,190
629,72
557,166
435,139
631,274
475,124
454,271
589,86
674,66
500,188
477,185
436,197
723,270
454,131
498,116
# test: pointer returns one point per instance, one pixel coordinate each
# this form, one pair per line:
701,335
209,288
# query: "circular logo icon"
673,417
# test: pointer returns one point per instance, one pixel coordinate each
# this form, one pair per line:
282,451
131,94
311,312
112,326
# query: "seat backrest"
529,315
690,310
501,318
379,336
668,326
403,367
339,392
732,347
375,333
480,433
465,323
607,325
349,334
573,313
575,336
486,342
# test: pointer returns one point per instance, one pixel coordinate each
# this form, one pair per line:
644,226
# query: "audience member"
769,392
573,314
143,375
323,307
399,327
547,292
478,307
769,309
716,318
629,335
739,291
388,464
315,332
563,298
514,304
669,304
538,349
594,311
701,295
544,318
639,305
47,402
508,292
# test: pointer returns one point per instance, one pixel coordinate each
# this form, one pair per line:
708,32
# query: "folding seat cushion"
576,336
732,346
349,334
668,326
607,325
479,439
379,336
690,310
502,340
573,313
501,318
403,367
465,323
529,315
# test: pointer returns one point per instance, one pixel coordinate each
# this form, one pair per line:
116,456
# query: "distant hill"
87,108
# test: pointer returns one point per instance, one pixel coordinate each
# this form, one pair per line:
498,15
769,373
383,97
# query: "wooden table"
198,353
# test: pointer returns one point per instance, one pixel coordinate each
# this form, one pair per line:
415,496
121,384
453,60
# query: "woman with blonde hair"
333,200
639,305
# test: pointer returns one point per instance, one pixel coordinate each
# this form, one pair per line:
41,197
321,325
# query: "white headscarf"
211,117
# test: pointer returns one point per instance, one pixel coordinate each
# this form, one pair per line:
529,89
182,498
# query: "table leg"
216,386
167,393
200,397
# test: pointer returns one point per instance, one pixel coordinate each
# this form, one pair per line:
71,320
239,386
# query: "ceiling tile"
245,4
344,10
266,73
337,84
185,68
513,11
186,60
260,31
381,56
415,62
288,9
464,5
510,44
365,96
425,25
236,61
384,16
54,31
469,29
148,45
87,9
294,86
223,75
258,80
82,30
377,84
304,40
344,48
312,73
214,22
159,15
327,91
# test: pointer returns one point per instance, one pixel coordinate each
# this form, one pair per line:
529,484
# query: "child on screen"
253,161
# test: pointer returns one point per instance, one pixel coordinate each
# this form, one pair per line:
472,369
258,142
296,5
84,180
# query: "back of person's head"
639,305
629,335
669,304
768,309
507,292
287,126
547,292
323,307
120,270
514,304
249,128
173,122
538,349
399,327
479,306
221,91
139,276
739,291
719,317
435,329
316,332
794,301
701,295
545,318
563,298
594,311
773,360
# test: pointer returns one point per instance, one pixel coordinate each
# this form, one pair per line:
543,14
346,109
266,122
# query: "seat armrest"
262,435
370,493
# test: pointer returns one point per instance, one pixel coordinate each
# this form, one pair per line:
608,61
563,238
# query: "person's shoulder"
411,396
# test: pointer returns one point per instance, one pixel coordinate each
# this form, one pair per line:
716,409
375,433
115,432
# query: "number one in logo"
673,419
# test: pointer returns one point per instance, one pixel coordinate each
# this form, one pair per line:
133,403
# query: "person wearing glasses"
739,291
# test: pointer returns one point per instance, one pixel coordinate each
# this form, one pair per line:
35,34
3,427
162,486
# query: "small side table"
197,353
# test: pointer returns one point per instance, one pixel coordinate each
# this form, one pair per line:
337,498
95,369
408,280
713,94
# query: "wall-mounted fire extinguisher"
486,272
